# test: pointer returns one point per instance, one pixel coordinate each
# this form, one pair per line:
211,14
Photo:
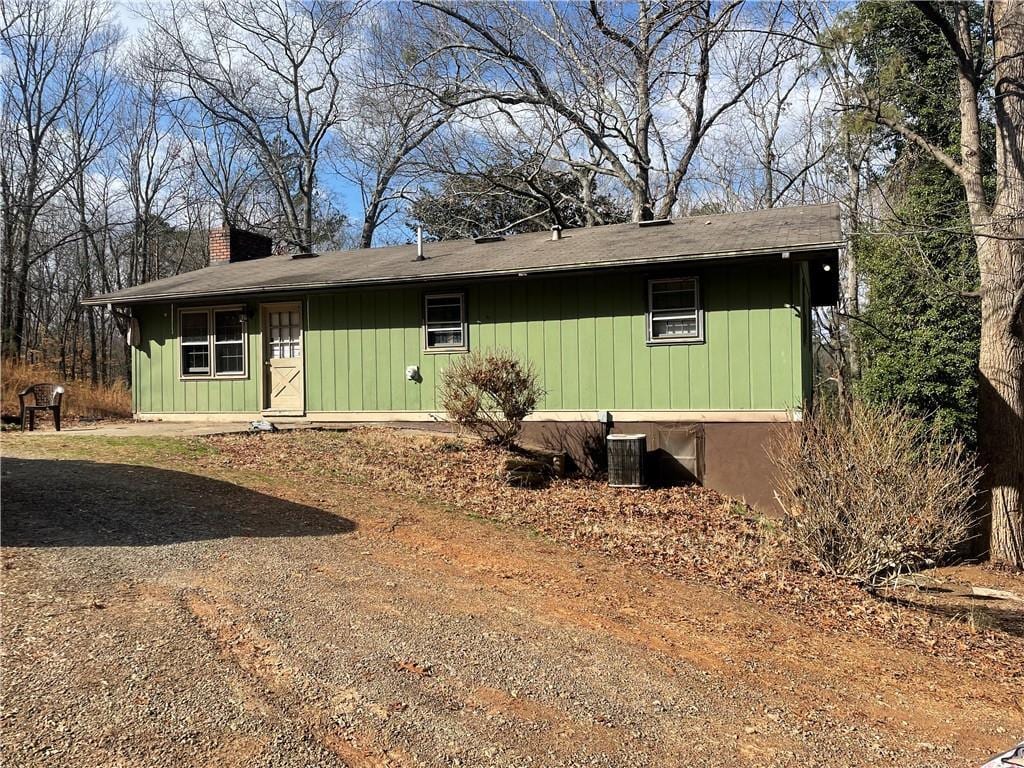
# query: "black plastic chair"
45,397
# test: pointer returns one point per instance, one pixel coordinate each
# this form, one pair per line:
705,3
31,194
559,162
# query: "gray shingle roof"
694,238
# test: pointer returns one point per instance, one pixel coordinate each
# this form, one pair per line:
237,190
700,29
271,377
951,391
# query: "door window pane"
285,335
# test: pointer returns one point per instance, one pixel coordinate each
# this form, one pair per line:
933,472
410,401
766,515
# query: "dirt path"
155,617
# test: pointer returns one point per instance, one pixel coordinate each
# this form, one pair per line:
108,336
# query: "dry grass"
81,398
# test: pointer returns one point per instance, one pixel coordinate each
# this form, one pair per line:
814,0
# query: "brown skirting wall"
738,464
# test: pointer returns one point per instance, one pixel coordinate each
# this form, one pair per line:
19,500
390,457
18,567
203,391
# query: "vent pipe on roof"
556,232
419,243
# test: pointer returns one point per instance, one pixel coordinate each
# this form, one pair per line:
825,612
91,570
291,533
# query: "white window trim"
464,347
699,338
211,340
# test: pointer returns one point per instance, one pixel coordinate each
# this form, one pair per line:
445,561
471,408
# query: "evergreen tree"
509,200
920,329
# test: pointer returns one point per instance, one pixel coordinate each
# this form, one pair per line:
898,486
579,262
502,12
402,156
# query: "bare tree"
394,114
642,85
775,147
151,157
56,70
229,172
274,70
521,155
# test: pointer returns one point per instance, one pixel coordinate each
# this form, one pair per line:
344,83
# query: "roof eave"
112,299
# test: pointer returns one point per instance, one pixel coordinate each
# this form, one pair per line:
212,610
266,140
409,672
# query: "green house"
694,331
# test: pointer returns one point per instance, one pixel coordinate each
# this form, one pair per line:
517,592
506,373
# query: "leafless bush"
490,393
870,492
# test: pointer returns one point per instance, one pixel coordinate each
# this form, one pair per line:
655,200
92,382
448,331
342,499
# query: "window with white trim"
195,343
228,342
444,322
673,310
213,342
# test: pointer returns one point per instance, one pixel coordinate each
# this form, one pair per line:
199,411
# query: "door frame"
265,310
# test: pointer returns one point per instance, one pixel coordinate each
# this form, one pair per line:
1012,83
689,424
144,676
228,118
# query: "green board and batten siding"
157,386
585,336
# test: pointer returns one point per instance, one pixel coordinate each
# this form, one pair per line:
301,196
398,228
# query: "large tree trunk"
1001,401
1001,261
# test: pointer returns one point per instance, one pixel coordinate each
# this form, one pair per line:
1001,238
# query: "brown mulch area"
688,532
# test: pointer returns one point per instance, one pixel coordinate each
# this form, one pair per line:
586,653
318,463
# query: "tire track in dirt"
279,685
713,632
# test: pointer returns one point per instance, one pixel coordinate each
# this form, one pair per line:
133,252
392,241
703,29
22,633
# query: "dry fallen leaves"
687,532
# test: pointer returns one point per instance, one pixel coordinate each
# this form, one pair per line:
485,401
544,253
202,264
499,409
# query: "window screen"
674,310
445,321
195,343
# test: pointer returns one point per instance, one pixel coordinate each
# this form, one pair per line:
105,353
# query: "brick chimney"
229,244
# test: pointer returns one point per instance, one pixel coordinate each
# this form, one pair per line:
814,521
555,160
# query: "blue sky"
346,194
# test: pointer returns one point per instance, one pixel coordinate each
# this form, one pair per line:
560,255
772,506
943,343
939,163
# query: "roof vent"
305,255
653,223
556,232
488,239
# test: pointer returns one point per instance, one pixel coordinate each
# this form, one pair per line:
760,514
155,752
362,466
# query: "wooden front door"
282,354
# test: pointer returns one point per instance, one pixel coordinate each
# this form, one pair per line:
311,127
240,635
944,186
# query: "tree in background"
918,332
920,327
394,115
987,71
640,85
507,199
55,84
274,70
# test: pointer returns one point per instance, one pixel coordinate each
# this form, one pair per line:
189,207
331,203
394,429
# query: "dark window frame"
463,325
695,312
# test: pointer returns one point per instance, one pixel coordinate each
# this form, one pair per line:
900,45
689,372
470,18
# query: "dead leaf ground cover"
687,532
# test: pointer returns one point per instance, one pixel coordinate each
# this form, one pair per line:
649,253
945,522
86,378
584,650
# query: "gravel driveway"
161,618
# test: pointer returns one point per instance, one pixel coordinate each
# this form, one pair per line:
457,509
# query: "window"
195,343
673,311
212,343
444,328
228,342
